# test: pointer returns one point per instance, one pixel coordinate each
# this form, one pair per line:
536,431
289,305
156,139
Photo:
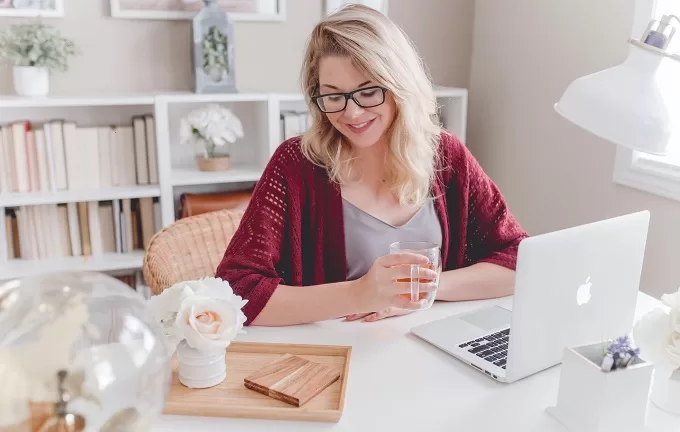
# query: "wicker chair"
189,249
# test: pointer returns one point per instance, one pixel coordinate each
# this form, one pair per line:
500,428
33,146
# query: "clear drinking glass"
423,289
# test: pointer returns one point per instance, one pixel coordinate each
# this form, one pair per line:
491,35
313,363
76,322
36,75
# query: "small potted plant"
35,49
603,387
216,54
200,318
210,129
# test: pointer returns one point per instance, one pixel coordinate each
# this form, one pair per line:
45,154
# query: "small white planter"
591,400
666,392
200,368
31,81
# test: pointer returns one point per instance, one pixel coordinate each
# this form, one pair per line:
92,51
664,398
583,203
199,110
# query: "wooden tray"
232,399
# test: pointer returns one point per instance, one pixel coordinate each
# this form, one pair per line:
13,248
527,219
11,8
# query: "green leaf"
36,44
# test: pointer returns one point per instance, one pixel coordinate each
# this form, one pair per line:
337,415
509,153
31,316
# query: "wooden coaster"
292,379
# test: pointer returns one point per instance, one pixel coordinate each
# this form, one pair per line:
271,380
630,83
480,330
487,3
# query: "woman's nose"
352,110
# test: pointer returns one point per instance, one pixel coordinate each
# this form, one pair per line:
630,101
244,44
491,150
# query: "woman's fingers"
423,287
404,272
382,314
355,317
403,258
386,313
407,304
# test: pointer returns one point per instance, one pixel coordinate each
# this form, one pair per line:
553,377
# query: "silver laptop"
574,286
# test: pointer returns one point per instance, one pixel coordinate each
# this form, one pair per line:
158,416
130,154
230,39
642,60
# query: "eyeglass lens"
365,98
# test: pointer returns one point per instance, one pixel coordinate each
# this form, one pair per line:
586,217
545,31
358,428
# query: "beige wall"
132,55
554,174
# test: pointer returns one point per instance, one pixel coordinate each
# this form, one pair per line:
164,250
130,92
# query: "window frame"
632,169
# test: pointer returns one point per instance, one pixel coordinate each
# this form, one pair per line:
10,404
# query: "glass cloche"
79,351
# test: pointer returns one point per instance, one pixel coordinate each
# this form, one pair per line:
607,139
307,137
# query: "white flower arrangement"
658,335
205,313
212,126
36,45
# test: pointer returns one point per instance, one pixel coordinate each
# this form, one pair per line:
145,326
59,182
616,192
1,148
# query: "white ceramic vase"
200,368
666,393
31,81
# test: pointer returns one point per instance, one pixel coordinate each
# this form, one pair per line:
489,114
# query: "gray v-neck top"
368,238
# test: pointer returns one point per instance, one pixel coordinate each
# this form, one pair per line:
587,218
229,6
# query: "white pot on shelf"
31,81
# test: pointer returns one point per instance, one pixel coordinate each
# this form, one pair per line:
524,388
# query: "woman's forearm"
478,281
292,305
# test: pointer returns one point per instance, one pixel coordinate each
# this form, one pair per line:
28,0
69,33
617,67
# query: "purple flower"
620,353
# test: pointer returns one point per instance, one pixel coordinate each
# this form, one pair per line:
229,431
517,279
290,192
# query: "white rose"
675,320
657,341
209,323
673,349
164,307
672,300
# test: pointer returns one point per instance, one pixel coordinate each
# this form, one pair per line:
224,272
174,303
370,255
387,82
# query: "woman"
375,154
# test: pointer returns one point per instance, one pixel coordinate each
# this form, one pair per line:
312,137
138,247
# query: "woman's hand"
375,316
381,288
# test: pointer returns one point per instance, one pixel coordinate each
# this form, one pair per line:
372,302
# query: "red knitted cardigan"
292,231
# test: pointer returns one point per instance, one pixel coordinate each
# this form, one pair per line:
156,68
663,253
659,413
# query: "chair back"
189,249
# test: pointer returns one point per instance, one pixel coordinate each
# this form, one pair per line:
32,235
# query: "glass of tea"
423,288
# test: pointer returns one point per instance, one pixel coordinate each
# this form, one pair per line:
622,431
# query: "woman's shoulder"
290,161
452,154
450,145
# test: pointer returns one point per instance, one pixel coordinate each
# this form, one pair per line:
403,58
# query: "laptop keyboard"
492,348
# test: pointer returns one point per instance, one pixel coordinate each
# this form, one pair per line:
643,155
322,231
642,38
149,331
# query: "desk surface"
439,393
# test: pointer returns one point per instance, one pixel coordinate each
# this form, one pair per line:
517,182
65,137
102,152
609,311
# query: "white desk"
399,383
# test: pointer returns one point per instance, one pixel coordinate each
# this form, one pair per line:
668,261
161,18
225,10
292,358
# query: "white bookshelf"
238,174
37,198
111,262
259,112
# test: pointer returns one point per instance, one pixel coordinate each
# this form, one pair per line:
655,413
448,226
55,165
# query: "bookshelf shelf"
18,268
9,101
38,198
122,198
192,177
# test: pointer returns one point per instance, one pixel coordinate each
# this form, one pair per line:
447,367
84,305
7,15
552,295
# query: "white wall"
555,175
133,55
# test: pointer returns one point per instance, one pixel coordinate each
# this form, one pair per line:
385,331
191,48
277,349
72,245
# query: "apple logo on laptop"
583,293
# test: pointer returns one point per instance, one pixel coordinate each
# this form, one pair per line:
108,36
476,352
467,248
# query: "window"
654,174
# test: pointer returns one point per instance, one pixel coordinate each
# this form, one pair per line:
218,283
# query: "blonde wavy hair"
382,52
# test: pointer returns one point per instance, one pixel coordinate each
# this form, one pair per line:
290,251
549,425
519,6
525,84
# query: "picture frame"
333,5
32,8
239,10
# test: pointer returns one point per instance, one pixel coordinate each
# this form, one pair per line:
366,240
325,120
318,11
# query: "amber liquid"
422,280
421,296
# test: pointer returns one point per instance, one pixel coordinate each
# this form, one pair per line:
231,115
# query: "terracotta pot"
213,164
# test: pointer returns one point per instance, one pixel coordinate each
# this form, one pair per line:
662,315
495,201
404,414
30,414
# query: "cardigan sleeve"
257,257
493,233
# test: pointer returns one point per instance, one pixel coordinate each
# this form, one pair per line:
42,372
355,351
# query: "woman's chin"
362,141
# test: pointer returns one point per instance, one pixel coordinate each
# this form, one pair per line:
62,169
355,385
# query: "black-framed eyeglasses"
367,97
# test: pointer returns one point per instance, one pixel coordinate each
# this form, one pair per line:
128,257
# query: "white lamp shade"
634,104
